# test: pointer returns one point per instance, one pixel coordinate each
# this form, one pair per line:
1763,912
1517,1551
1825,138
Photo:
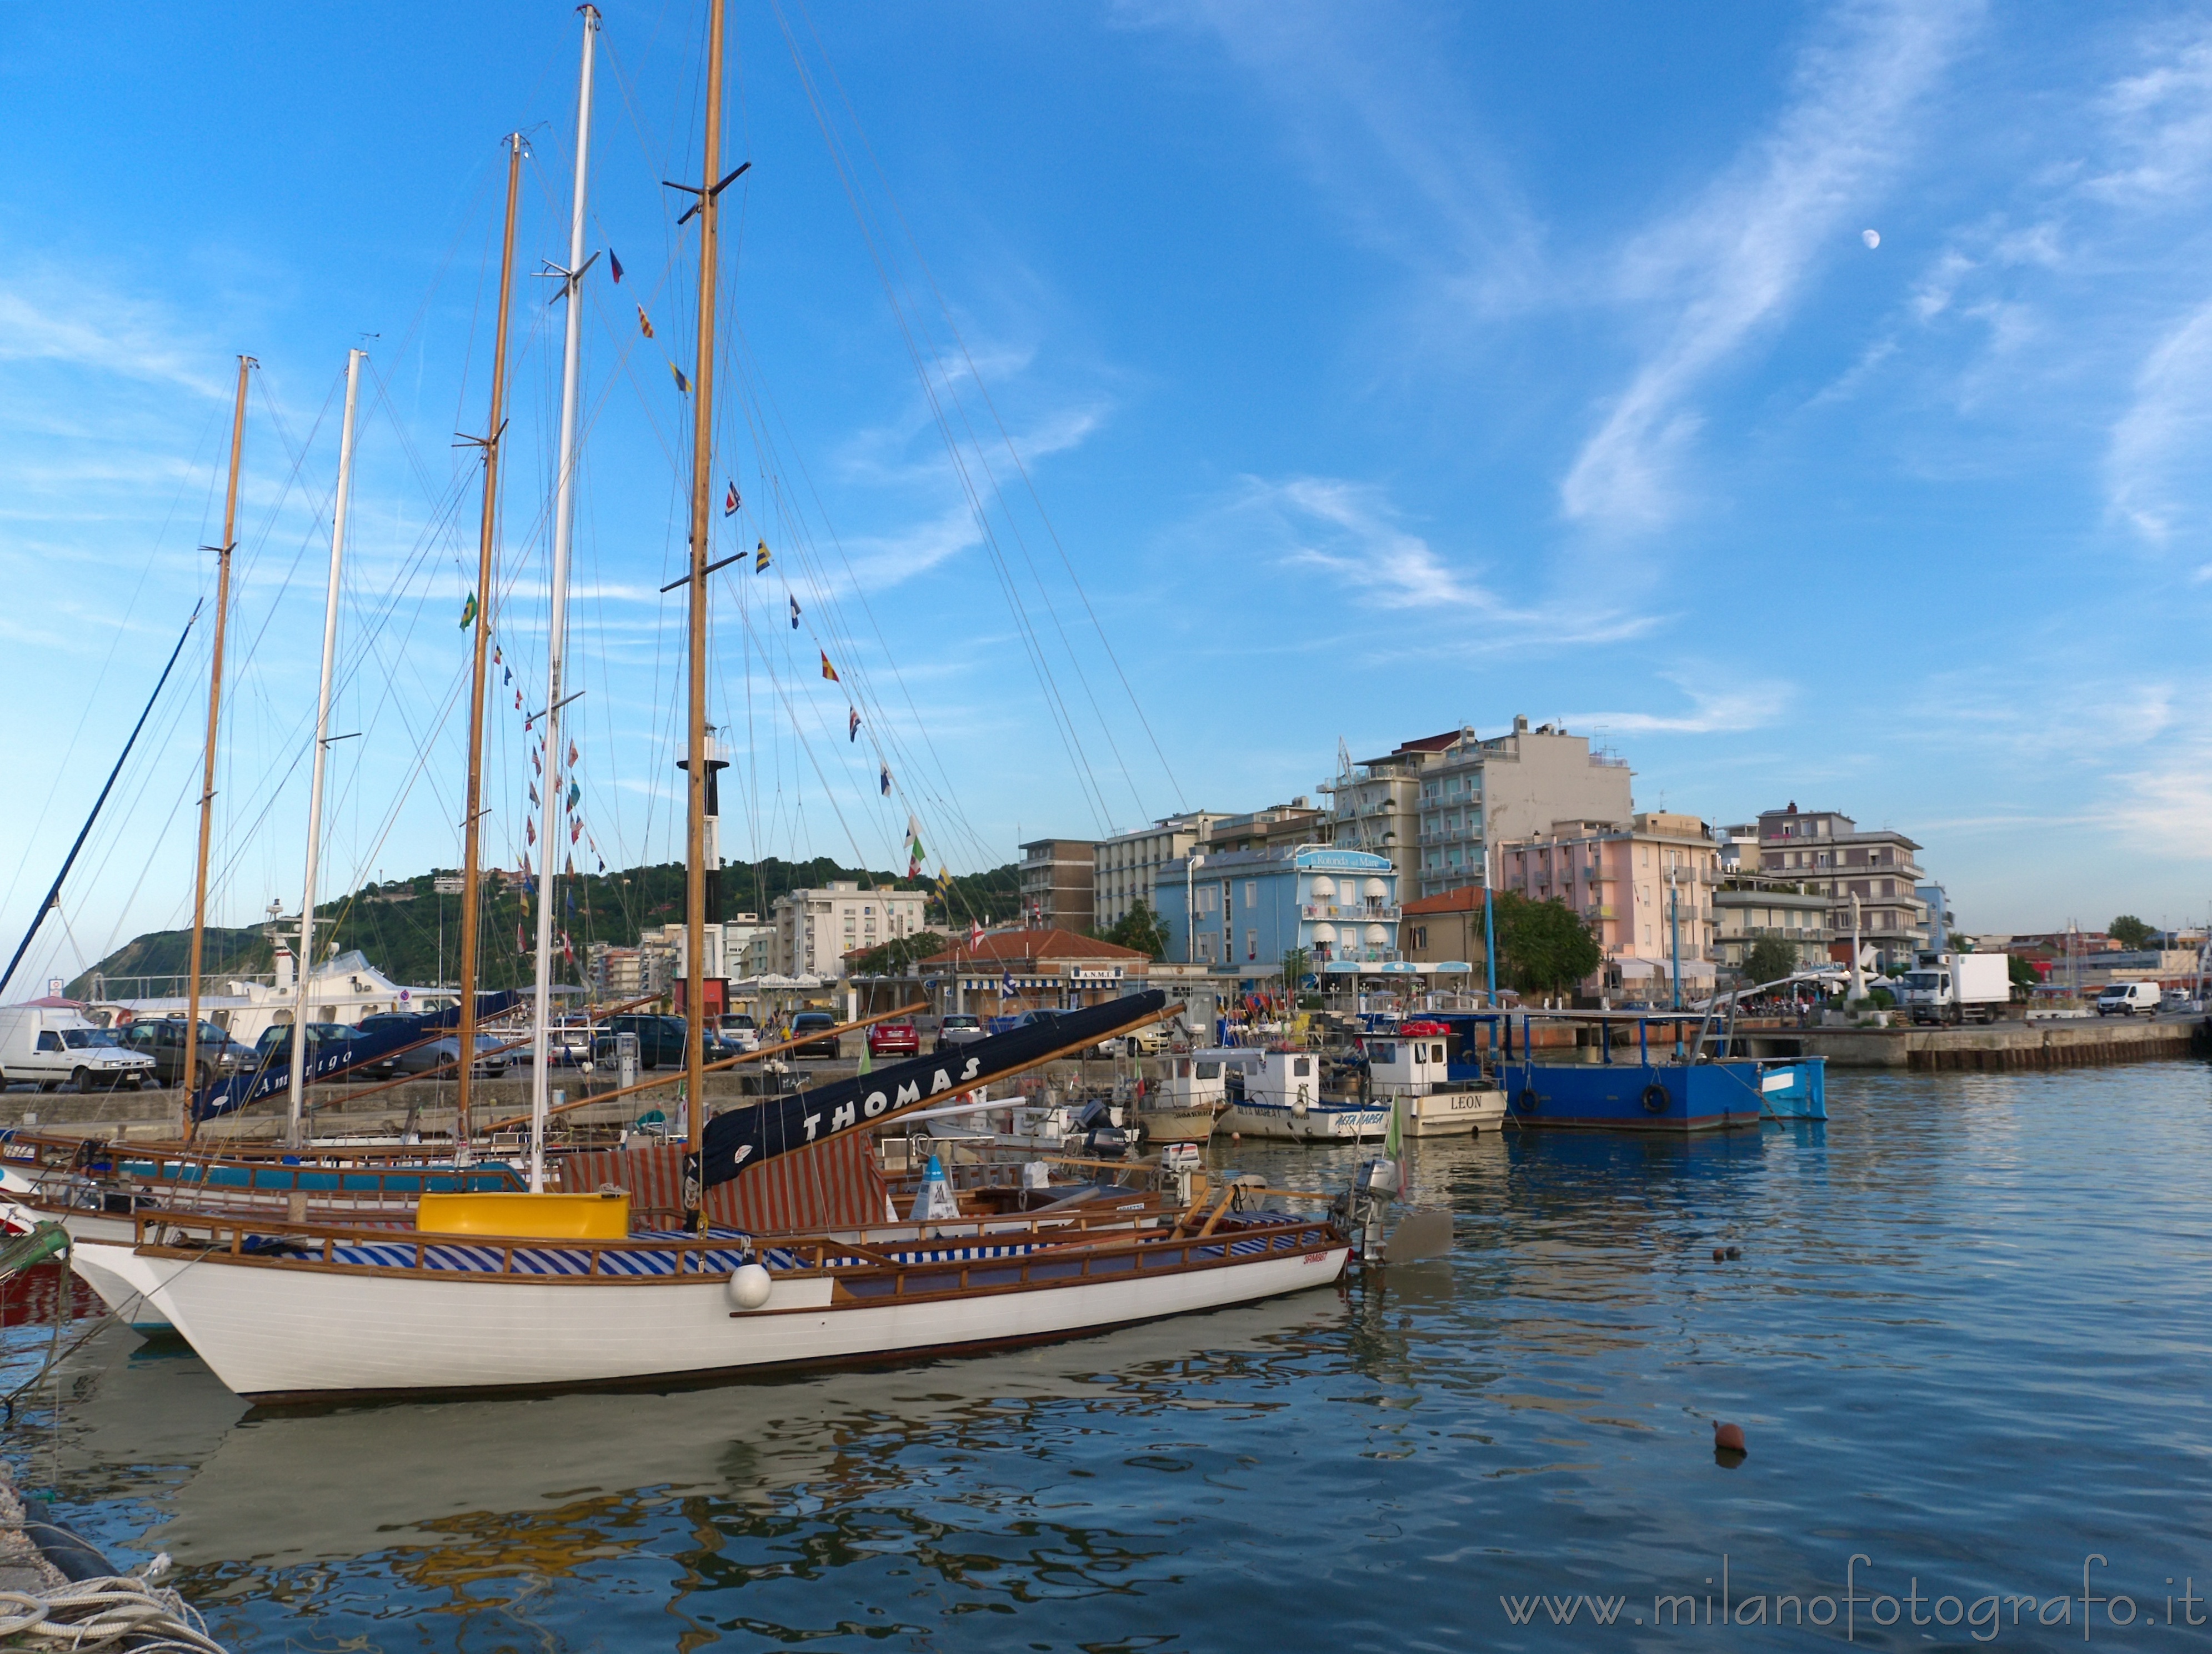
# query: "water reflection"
1964,1334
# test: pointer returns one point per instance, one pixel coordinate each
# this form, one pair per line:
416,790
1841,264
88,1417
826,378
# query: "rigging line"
799,734
1032,643
114,642
975,377
982,455
1055,706
761,399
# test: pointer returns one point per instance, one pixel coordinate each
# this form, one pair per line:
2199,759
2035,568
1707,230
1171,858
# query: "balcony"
1380,915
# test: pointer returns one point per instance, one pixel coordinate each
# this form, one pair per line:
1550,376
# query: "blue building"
1241,911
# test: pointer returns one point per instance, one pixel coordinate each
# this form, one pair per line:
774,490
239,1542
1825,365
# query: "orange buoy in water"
1719,1256
1726,1438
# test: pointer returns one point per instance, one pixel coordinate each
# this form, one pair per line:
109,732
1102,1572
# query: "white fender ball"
750,1285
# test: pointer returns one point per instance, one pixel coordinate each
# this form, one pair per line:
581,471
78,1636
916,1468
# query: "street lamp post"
1192,863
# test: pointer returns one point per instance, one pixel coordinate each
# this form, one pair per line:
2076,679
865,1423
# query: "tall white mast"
556,645
306,966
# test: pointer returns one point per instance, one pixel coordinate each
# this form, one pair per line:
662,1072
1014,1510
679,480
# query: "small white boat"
1280,1098
1412,1071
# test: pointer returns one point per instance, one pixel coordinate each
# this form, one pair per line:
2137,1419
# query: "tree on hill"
1769,960
898,955
1139,929
2130,932
411,932
1546,947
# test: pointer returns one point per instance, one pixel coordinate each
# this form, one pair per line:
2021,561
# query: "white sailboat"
555,1289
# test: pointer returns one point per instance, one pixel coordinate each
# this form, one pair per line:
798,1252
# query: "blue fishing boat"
1673,1077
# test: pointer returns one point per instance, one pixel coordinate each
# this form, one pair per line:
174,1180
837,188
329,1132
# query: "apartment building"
1278,826
1445,928
1059,879
1435,804
1828,851
1240,912
1123,866
1644,889
815,930
1747,909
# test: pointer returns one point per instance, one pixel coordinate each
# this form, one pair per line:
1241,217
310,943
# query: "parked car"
56,1045
660,1040
894,1039
740,1033
2125,999
491,1061
814,1022
957,1029
219,1055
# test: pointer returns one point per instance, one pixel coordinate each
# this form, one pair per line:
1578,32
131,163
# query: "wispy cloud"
1351,531
2158,444
2161,120
1713,709
71,321
1731,265
1378,121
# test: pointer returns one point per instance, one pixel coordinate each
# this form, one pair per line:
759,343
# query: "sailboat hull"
279,1333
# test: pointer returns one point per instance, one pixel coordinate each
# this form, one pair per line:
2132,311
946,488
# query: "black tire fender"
1655,1098
1527,1101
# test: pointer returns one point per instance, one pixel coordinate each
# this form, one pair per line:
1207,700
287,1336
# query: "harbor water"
1965,1340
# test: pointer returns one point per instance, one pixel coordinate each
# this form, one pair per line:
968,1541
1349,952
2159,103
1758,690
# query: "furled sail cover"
250,1085
744,1137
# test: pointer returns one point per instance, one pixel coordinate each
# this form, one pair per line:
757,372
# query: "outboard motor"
1102,1139
1362,1209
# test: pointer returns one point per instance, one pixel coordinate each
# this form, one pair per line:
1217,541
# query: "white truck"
52,1045
1953,987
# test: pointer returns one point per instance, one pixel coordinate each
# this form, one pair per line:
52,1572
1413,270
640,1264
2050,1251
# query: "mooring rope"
120,1611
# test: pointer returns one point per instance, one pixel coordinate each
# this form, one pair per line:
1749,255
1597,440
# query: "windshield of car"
962,1020
812,1019
2113,993
1920,979
735,1023
83,1039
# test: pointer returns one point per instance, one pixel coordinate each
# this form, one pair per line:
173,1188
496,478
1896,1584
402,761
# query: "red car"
894,1039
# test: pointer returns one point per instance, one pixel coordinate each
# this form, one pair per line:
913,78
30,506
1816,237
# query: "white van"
55,1045
2125,999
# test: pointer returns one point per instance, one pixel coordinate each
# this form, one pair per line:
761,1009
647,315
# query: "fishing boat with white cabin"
1278,1094
1411,1067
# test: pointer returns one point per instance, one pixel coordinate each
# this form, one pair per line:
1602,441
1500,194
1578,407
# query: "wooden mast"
188,1077
473,812
702,461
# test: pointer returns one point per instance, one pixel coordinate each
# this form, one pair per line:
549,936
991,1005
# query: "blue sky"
1362,371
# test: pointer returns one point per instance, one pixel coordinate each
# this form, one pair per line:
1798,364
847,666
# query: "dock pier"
1999,1046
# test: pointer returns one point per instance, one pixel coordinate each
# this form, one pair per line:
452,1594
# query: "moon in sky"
1872,238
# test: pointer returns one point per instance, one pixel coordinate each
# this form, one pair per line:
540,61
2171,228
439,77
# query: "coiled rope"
122,1611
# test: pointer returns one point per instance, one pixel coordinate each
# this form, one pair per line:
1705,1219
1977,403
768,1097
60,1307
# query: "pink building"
1620,879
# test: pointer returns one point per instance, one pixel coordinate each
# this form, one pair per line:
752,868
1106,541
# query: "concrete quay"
1999,1047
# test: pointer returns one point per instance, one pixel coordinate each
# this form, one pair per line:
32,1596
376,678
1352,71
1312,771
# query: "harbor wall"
1999,1047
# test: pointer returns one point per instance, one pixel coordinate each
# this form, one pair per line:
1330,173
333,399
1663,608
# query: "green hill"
412,934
